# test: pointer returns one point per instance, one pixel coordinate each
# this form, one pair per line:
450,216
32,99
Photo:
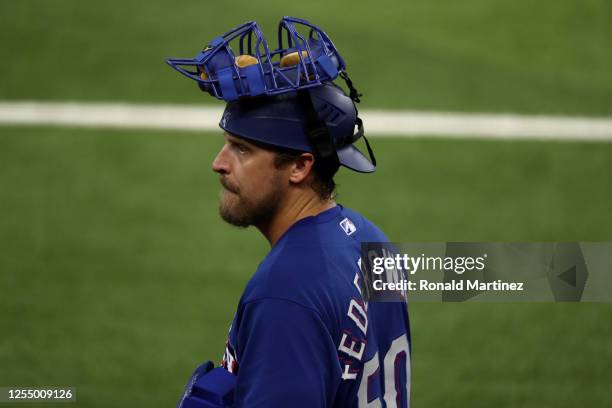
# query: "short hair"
323,171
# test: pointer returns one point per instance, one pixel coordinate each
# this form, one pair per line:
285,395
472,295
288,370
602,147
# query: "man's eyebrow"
231,137
239,140
236,140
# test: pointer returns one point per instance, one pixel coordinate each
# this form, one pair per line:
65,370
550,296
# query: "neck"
291,212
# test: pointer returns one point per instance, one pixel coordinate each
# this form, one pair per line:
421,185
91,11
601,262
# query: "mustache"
229,186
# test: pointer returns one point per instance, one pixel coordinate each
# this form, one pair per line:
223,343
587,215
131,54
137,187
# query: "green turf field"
547,56
118,277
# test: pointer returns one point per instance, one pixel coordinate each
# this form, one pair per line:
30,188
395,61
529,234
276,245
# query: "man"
304,335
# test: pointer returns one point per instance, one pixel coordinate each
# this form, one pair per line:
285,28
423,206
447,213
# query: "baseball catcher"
303,334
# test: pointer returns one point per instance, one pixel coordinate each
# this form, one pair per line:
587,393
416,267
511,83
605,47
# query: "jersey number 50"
394,390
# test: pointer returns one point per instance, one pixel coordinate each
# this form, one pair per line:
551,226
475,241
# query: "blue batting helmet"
283,121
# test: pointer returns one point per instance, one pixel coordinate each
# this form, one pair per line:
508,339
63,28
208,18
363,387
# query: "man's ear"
301,168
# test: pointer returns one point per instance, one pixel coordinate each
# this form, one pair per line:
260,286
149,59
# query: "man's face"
253,187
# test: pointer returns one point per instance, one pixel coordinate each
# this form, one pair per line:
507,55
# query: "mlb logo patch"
347,226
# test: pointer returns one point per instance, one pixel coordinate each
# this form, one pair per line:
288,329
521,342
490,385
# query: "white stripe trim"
377,122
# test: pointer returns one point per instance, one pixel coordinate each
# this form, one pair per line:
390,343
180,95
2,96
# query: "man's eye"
241,148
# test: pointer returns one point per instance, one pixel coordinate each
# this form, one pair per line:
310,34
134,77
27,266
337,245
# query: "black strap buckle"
354,94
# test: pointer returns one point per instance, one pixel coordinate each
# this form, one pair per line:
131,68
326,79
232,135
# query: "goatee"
241,211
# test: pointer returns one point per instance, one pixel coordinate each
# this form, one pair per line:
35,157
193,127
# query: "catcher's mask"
286,97
305,61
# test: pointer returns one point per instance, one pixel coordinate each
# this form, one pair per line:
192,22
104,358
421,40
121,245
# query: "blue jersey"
303,336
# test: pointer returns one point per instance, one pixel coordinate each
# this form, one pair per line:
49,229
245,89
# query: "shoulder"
339,228
294,271
318,254
365,230
315,263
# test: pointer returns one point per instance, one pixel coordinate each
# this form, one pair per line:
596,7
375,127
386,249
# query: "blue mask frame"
318,61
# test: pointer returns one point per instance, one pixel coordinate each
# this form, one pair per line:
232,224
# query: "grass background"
117,277
548,56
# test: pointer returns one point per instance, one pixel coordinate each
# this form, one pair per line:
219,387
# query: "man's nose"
221,163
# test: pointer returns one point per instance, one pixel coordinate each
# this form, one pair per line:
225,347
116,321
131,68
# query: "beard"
241,211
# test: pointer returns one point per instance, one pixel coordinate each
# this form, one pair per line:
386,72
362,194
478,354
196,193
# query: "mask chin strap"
354,94
318,134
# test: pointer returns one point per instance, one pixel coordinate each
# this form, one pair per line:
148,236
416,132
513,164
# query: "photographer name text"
454,285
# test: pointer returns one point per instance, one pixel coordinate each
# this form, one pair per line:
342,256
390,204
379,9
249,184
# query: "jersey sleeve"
286,355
